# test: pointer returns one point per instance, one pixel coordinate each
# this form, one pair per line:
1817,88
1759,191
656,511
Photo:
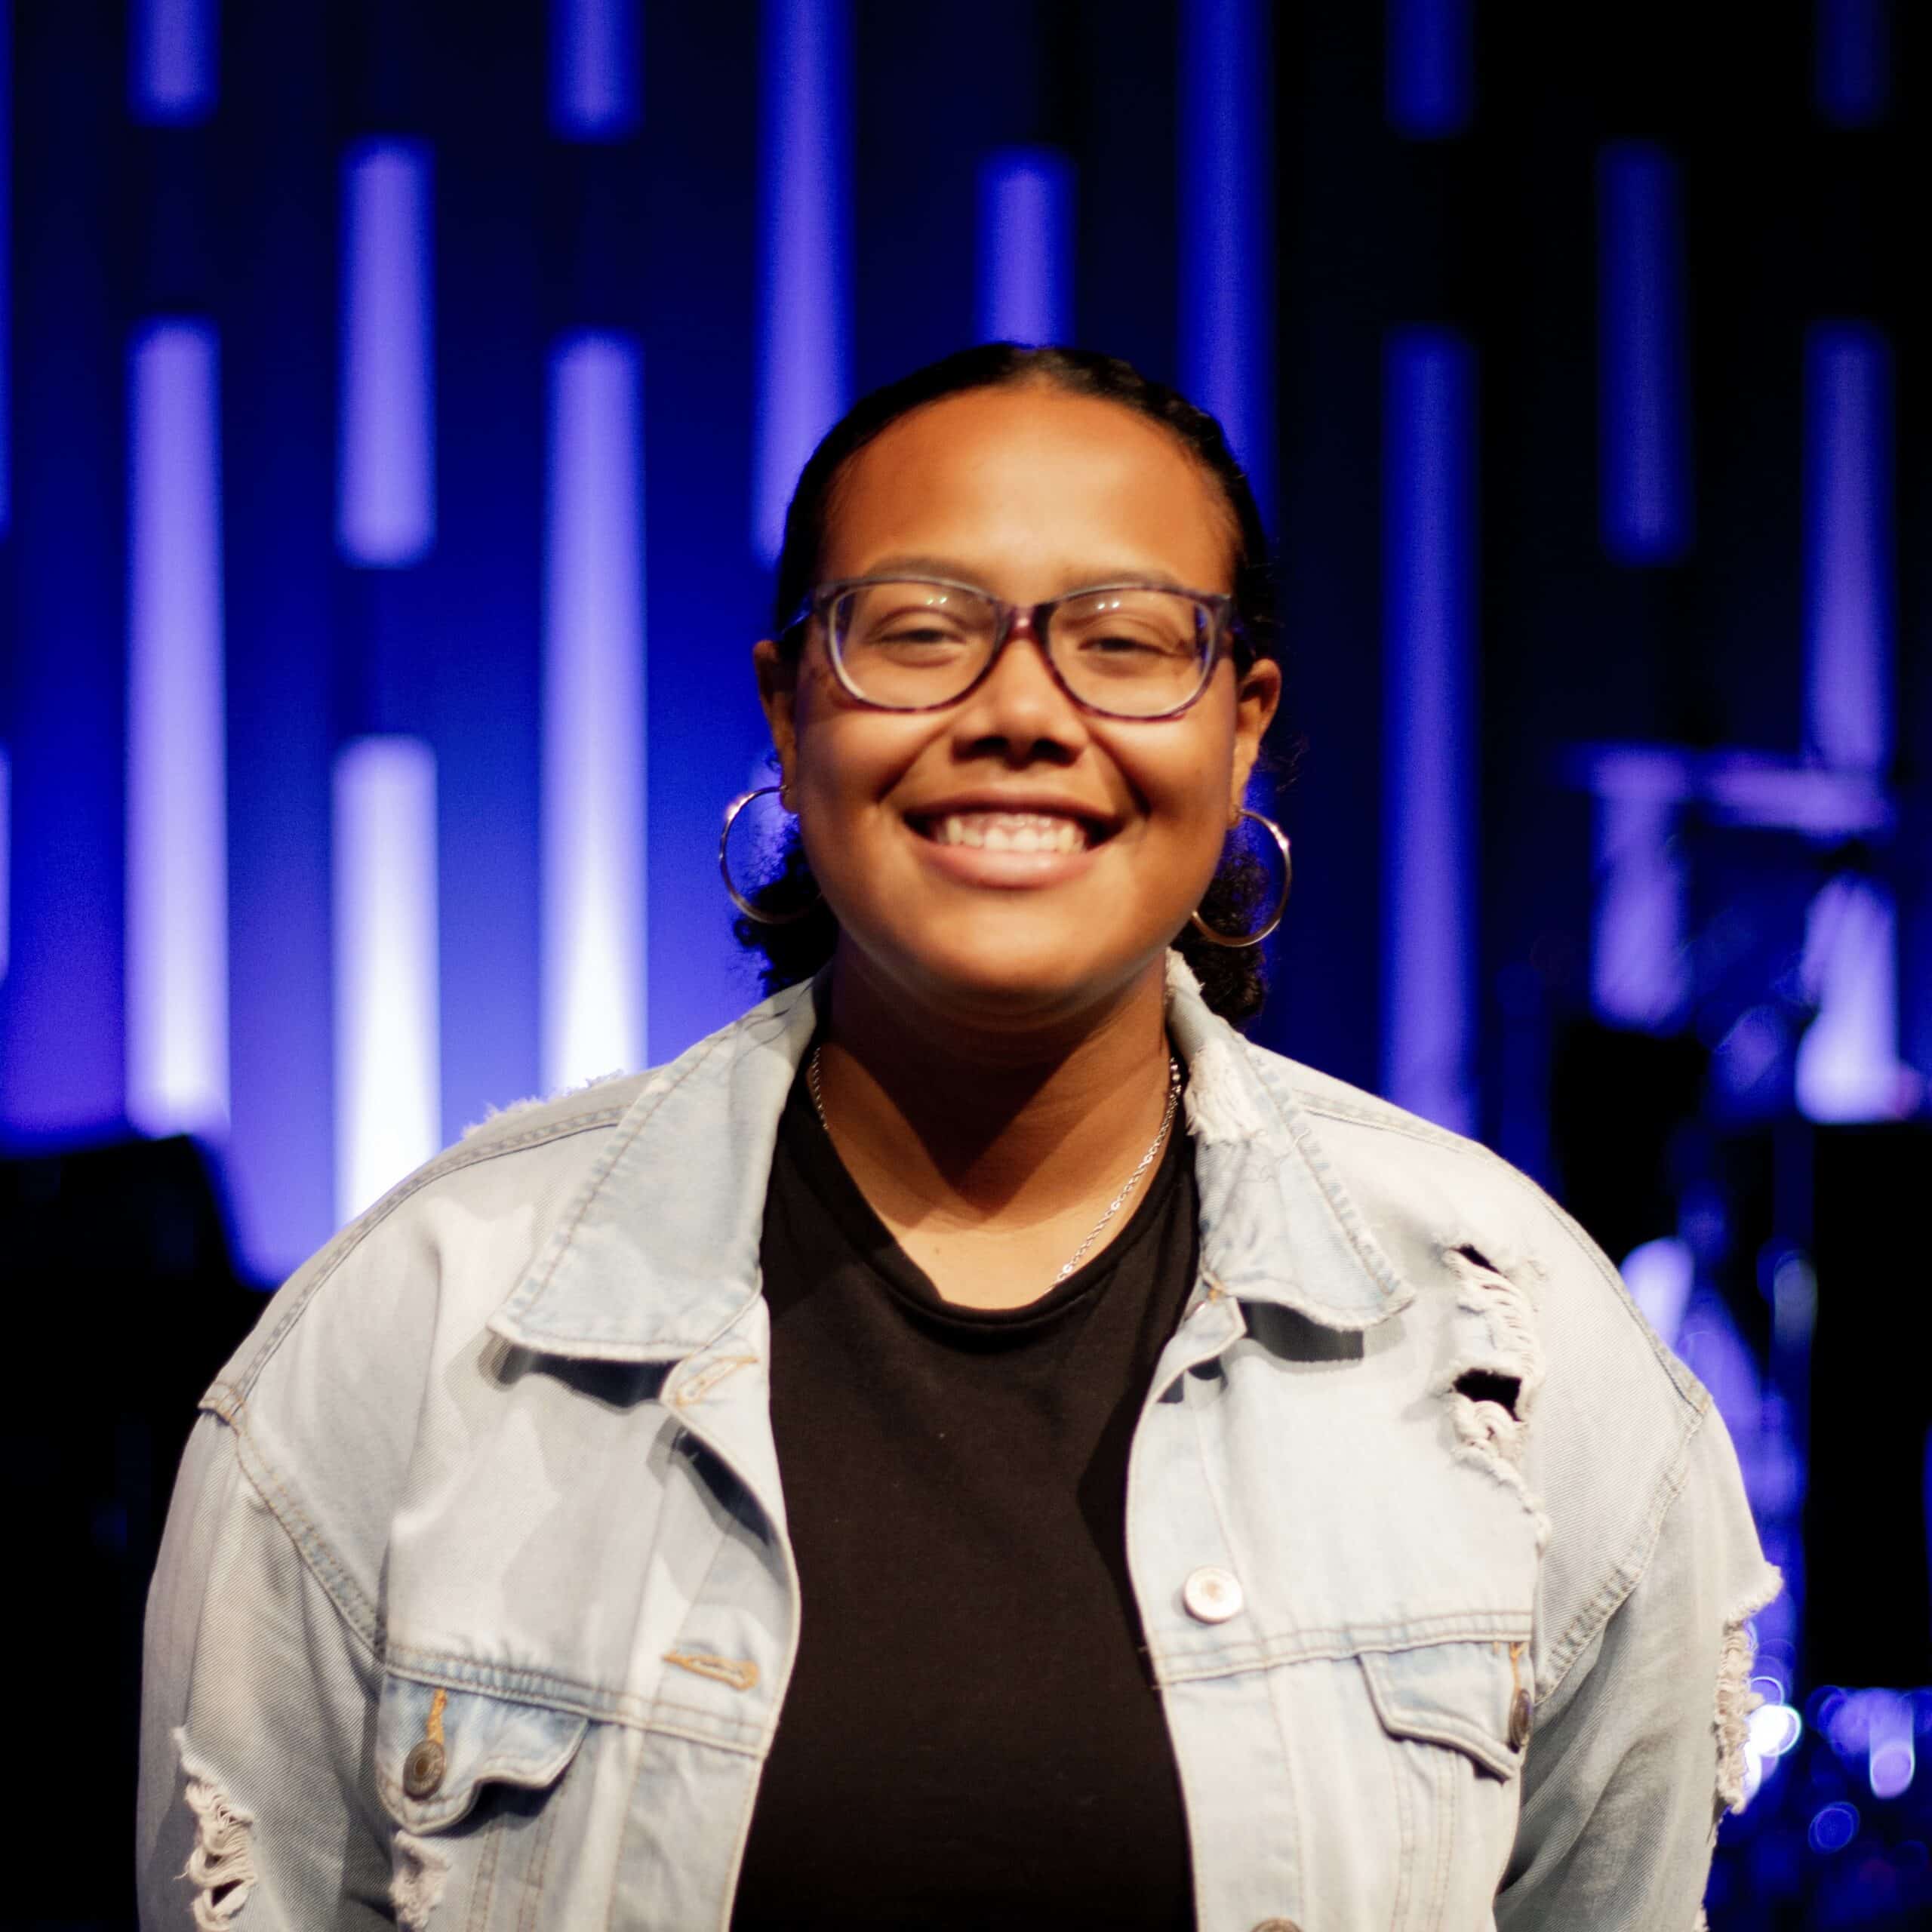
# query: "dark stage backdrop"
398,404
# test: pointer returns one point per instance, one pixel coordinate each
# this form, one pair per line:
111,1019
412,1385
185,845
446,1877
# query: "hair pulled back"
1231,980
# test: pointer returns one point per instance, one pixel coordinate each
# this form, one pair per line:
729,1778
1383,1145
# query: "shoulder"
442,1243
1614,1428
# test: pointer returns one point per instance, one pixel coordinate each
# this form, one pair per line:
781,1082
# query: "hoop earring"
1281,839
738,899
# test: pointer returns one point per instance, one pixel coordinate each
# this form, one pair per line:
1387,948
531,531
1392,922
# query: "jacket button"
422,1769
1278,1925
1519,1720
1212,1595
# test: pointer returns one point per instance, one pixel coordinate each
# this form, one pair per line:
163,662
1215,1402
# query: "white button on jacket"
1211,1595
475,1607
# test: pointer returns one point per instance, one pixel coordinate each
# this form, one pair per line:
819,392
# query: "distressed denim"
475,1608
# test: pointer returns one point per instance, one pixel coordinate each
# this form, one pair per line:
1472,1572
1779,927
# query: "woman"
974,1442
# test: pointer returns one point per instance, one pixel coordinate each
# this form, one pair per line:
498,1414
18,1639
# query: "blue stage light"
6,251
1833,1827
596,72
6,856
172,46
805,334
1227,238
176,796
1026,246
1431,78
1852,77
1644,417
1428,565
593,976
387,1010
1850,596
385,512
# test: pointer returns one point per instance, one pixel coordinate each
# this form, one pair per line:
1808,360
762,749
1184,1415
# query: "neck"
960,1122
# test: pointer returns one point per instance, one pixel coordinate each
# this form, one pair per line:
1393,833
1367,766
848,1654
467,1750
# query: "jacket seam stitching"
1616,1590
346,1596
458,1159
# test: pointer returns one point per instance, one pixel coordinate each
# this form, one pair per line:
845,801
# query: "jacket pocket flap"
437,1745
1468,1696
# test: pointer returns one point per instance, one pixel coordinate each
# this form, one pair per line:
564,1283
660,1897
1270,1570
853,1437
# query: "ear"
1256,698
778,694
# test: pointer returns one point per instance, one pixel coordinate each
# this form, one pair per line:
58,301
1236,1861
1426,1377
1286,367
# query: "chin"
1013,975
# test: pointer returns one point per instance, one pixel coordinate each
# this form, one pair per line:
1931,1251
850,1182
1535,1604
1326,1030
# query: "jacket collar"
657,1256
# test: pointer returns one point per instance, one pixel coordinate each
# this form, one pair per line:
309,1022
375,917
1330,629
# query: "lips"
1009,831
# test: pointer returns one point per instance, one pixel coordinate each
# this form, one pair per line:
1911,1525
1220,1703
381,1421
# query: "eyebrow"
919,564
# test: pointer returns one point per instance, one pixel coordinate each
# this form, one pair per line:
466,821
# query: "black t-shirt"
971,1737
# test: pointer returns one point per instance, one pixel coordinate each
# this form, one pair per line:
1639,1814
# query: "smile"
1007,832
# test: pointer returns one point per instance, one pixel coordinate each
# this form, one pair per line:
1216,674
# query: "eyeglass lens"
1134,653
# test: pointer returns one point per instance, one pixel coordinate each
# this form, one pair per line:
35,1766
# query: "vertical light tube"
6,856
176,798
1848,546
1227,240
1643,422
805,247
596,70
172,46
6,257
386,507
1430,76
387,1015
592,970
1026,246
1852,76
1428,739
1639,970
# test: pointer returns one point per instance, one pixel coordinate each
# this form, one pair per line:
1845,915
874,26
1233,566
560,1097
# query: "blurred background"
398,407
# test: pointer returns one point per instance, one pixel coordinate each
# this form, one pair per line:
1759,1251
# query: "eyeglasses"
1122,650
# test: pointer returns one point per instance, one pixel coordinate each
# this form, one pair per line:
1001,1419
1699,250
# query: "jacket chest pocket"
470,1780
1456,1719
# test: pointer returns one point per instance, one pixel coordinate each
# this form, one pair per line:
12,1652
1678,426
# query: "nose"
1020,713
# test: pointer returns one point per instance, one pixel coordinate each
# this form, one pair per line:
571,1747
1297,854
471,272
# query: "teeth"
1011,831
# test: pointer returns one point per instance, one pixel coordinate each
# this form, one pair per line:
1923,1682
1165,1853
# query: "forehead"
1033,491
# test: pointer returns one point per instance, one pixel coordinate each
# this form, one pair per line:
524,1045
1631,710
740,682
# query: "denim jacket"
476,1608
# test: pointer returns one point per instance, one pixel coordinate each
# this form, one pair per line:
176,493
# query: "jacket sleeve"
257,1717
1639,1752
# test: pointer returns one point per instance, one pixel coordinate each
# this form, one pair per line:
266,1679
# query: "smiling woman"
1213,510
976,1442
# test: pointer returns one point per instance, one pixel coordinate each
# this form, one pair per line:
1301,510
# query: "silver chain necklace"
1112,1208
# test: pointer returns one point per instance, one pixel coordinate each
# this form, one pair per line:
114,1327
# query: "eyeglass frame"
1009,619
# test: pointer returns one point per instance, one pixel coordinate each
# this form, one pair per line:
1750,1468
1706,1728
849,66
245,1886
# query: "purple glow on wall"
1848,1067
176,797
804,328
1852,78
596,71
387,1031
1428,740
594,846
1639,966
386,507
1431,78
1026,246
1644,411
172,49
1227,238
1848,546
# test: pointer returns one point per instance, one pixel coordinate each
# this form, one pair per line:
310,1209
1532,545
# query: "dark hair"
1237,898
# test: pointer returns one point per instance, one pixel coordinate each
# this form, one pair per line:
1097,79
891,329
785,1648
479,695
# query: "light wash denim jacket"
476,1609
